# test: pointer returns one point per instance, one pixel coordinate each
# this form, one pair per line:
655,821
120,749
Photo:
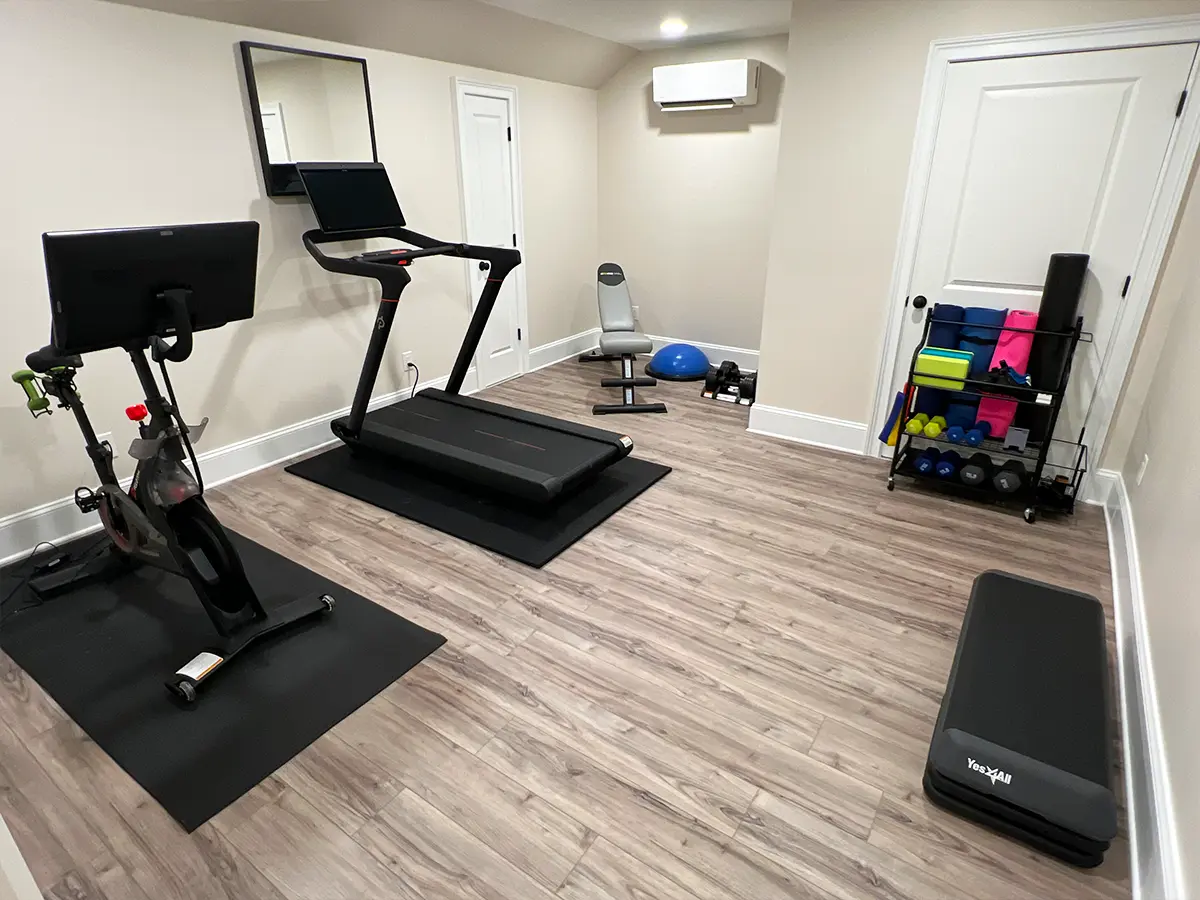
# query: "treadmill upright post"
502,261
374,358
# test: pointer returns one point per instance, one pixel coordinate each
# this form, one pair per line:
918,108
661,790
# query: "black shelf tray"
994,447
1047,499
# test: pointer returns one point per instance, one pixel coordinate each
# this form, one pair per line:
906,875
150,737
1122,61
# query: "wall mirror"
307,107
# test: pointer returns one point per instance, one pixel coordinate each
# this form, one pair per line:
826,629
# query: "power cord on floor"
23,581
416,380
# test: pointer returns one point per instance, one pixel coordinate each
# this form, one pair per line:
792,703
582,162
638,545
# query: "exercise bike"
163,519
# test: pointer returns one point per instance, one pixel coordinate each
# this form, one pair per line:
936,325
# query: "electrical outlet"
637,313
409,367
1142,468
106,438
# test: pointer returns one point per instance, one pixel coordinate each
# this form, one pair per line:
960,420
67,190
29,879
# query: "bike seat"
48,358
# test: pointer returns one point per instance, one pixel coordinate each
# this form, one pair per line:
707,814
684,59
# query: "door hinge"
1179,108
510,132
1125,290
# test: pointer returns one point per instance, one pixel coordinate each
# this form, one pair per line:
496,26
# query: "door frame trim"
1164,209
461,87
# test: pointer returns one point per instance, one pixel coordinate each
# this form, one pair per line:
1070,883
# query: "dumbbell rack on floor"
1039,492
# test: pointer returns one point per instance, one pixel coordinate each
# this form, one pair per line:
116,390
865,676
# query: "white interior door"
1038,155
485,123
275,132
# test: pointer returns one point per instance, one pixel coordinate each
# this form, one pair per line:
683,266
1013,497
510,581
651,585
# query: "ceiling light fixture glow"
673,28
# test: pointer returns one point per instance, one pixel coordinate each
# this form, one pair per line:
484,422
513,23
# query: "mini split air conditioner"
709,85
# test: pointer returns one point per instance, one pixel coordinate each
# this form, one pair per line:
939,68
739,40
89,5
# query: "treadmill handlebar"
503,259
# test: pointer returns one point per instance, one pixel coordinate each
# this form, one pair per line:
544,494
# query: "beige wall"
1174,280
1166,515
855,69
687,197
131,117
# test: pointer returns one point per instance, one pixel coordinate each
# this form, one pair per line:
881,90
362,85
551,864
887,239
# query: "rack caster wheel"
891,484
184,691
1031,515
329,602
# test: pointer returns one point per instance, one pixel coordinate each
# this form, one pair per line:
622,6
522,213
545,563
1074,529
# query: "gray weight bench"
619,341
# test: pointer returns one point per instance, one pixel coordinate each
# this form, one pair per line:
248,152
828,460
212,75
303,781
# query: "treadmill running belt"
530,533
509,440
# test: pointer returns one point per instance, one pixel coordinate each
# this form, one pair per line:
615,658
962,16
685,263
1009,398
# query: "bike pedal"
86,500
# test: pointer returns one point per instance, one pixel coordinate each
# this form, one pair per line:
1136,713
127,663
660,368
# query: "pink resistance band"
1013,348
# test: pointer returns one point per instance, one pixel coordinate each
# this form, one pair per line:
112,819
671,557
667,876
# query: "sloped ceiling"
467,32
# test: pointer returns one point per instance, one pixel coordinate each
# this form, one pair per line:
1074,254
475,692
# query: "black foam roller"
977,471
1048,355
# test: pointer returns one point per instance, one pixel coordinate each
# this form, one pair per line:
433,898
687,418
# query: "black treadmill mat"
1031,674
523,531
103,652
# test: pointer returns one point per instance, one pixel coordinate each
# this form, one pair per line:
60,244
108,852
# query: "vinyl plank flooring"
894,765
833,795
440,860
606,872
463,713
910,828
662,768
724,692
307,857
838,864
24,707
341,783
642,824
533,834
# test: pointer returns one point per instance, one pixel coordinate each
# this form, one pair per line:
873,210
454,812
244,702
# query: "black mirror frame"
282,179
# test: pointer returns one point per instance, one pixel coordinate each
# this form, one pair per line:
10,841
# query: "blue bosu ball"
678,362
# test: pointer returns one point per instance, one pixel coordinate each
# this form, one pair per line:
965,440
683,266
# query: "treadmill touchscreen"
351,197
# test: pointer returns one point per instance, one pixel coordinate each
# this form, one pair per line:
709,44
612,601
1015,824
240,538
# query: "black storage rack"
1044,491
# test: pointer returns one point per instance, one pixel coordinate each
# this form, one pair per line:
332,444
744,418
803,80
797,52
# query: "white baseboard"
563,349
807,428
16,881
747,360
61,520
1155,861
1098,486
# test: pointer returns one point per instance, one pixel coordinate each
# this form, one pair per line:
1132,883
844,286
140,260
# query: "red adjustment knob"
137,413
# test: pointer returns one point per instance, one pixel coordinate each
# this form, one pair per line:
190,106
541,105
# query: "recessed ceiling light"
673,28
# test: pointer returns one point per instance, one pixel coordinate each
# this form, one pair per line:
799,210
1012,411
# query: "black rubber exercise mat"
103,652
523,531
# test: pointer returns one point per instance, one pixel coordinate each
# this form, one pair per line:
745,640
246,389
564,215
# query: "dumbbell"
926,460
975,436
917,423
1010,477
956,434
948,464
977,470
935,426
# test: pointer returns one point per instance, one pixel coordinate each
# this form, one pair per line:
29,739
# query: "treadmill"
496,448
